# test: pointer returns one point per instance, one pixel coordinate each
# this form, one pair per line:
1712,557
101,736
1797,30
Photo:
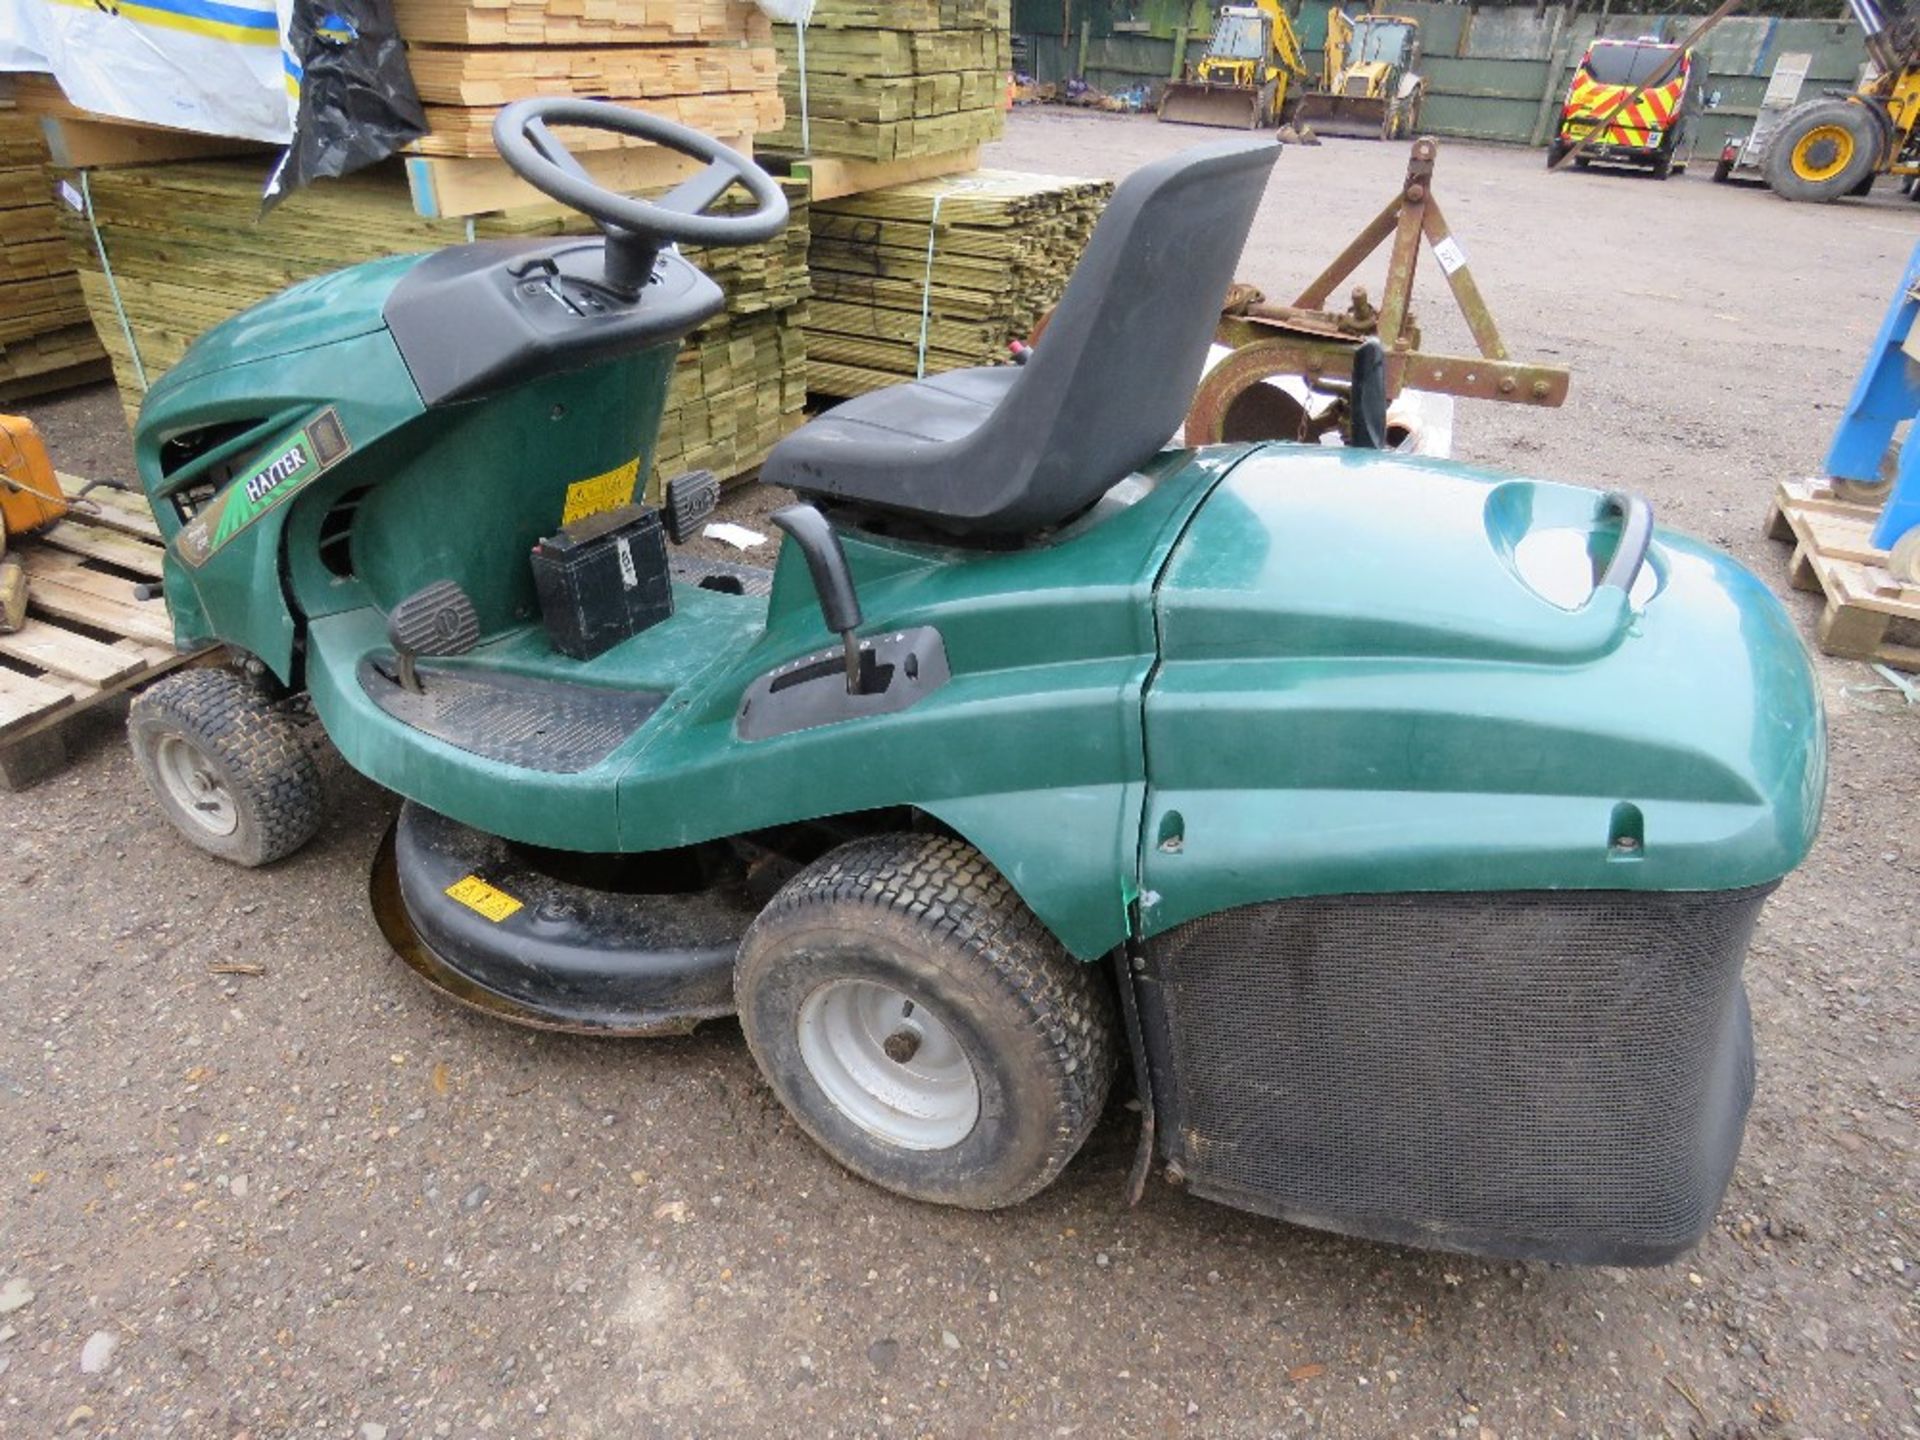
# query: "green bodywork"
1249,673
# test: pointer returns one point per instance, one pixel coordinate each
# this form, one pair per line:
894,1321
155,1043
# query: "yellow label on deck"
477,895
601,492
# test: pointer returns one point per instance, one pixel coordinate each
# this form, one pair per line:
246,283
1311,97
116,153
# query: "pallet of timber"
493,77
455,130
46,338
938,274
892,53
448,187
888,139
34,307
1870,613
890,75
889,80
581,22
87,636
740,381
57,360
878,100
740,385
829,177
911,15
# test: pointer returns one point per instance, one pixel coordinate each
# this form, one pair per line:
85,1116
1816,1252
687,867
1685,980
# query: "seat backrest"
1110,380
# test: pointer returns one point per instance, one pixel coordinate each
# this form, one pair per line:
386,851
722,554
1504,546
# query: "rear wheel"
1663,166
1823,149
230,770
922,1025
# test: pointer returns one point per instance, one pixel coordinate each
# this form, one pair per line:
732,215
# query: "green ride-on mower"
1401,826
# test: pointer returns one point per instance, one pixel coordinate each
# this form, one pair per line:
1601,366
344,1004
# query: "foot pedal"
690,499
436,620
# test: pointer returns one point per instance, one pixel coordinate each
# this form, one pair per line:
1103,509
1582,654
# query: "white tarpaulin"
217,66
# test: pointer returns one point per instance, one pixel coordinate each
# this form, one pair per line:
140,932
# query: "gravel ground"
321,1201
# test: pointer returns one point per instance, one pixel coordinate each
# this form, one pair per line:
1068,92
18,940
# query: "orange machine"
30,494
30,499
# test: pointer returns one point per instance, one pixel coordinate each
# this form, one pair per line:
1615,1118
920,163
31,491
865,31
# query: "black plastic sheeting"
357,100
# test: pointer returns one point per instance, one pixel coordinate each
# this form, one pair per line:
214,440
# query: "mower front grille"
1558,1075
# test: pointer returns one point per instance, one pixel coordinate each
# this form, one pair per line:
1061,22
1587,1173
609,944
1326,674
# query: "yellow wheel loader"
1371,87
1252,60
1837,143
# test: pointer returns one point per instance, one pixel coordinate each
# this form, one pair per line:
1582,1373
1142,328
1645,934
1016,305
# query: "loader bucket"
1358,117
1195,102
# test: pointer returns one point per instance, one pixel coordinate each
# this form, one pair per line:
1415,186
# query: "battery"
602,579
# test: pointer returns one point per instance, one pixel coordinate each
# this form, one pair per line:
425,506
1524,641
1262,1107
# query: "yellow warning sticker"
601,492
477,895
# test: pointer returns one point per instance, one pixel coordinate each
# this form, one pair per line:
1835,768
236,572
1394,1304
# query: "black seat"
1006,450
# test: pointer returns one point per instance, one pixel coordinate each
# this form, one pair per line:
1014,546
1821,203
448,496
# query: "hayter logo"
267,479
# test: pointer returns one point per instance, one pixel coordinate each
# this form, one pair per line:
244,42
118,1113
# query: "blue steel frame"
1887,392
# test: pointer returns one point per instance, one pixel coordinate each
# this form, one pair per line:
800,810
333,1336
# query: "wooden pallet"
1834,555
86,636
831,177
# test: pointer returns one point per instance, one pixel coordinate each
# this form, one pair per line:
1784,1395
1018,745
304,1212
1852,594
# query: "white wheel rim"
888,1064
195,788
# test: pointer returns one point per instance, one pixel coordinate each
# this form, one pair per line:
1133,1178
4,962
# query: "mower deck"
595,945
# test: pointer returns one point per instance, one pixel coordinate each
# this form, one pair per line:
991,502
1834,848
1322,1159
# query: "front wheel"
922,1025
230,769
1824,149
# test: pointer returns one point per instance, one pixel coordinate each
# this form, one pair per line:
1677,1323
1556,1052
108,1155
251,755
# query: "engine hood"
1318,551
1387,674
303,317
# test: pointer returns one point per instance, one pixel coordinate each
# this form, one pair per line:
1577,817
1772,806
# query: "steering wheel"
532,152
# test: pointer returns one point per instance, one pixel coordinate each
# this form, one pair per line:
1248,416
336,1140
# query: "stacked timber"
188,248
46,339
938,274
893,80
709,64
741,381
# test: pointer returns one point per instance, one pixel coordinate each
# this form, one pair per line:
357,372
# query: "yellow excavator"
1371,87
1252,61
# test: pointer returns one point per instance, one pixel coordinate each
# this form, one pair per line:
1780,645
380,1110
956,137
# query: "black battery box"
602,579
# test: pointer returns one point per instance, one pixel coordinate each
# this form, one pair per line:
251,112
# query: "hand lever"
832,580
1367,400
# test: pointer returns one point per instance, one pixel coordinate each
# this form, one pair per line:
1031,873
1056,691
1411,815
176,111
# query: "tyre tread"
272,764
951,889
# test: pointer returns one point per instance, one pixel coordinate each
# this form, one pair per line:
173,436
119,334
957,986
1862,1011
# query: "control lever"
1367,400
832,580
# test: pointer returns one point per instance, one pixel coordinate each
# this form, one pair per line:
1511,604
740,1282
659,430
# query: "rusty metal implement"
1309,340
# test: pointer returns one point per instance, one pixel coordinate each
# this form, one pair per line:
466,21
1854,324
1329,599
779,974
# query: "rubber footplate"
543,725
